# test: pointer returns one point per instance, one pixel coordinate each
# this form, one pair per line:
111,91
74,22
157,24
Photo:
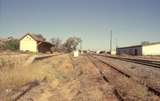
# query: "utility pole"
110,41
81,45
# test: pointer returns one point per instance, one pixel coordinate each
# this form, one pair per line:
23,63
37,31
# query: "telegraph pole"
81,45
110,41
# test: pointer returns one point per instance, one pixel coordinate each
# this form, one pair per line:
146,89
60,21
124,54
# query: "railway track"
155,64
146,63
105,79
151,88
117,93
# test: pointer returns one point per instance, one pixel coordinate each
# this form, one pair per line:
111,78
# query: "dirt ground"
85,84
65,78
62,78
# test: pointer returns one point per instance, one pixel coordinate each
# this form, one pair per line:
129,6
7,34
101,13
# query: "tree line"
67,46
9,43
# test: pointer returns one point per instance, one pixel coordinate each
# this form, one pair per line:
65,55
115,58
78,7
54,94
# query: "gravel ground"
78,79
147,75
136,74
75,79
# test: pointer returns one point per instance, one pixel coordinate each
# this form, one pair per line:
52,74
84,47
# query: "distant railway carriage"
148,49
33,43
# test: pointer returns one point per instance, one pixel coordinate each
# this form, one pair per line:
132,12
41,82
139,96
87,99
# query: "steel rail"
105,79
155,64
151,89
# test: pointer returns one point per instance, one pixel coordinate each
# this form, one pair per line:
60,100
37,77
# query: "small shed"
113,52
139,50
33,43
75,53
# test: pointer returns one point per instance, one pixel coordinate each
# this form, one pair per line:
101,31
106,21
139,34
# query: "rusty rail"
150,88
146,62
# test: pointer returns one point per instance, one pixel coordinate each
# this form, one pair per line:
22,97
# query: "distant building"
33,43
113,52
98,51
145,49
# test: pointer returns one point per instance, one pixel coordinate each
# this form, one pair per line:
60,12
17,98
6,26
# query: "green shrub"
12,44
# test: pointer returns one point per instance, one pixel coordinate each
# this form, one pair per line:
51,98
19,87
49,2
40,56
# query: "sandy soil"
66,79
145,74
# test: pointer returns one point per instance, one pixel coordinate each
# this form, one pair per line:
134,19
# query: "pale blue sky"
132,21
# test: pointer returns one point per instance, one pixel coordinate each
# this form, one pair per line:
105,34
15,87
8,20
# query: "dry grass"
10,69
19,76
69,80
12,60
84,84
55,69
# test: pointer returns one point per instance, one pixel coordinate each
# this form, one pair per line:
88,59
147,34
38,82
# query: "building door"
136,52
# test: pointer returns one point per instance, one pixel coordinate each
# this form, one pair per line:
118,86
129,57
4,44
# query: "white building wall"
151,49
28,44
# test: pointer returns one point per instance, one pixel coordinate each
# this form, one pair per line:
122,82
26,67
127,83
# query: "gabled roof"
34,36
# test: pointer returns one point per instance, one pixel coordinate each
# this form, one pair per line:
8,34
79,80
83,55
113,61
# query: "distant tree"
57,44
12,44
41,36
10,38
71,43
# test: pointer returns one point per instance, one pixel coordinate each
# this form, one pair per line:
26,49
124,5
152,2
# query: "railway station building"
140,50
33,43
